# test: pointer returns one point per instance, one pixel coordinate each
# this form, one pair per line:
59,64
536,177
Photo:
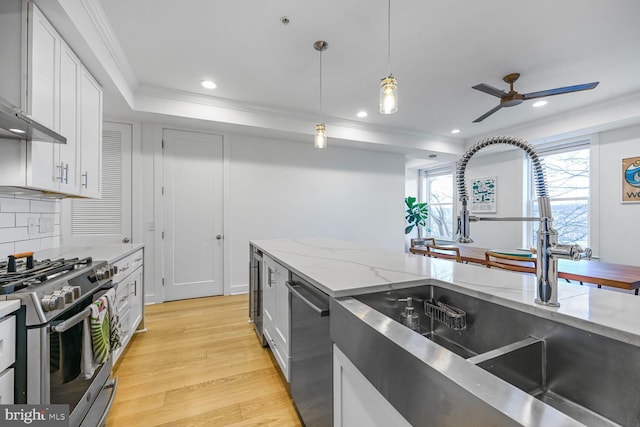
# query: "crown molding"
96,14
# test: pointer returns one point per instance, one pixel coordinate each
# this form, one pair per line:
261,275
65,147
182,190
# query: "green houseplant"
416,215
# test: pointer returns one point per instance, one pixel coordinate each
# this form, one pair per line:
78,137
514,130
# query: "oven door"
67,384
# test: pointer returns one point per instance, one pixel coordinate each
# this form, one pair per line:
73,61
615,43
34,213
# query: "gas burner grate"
40,273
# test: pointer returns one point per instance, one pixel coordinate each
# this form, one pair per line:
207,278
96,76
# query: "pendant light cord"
389,36
321,86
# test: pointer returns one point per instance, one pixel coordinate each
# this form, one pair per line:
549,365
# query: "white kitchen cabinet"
276,313
90,136
356,402
43,98
62,95
129,287
7,358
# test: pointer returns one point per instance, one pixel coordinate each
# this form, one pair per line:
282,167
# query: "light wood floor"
199,364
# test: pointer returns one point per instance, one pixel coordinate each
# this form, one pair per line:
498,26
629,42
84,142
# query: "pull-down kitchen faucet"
548,249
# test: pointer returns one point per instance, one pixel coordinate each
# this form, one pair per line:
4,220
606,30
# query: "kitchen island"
346,271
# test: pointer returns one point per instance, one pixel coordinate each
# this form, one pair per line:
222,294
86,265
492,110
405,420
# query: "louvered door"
107,220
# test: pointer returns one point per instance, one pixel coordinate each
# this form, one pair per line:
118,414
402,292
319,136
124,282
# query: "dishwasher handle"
295,292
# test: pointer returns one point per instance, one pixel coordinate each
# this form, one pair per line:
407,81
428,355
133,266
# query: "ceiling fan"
513,98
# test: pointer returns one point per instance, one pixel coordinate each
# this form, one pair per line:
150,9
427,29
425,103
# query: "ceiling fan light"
321,136
388,95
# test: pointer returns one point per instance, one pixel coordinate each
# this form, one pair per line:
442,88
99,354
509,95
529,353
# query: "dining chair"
523,264
447,252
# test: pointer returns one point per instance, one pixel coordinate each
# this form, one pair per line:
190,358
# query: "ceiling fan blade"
482,87
487,114
560,90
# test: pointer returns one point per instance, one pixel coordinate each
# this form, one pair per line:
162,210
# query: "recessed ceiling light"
455,131
539,104
208,84
362,114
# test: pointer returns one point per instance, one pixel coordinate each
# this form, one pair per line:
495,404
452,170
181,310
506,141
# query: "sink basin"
591,378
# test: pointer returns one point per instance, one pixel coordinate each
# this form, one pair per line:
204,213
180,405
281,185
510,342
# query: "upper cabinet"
63,95
91,136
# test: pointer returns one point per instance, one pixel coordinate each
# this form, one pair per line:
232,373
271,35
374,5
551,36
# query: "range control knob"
74,291
52,302
66,295
103,274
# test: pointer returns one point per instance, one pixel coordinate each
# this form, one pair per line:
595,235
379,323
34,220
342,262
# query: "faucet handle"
573,252
408,300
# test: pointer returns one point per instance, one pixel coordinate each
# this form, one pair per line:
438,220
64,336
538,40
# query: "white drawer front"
7,342
6,387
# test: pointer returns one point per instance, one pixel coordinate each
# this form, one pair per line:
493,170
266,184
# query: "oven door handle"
71,322
110,384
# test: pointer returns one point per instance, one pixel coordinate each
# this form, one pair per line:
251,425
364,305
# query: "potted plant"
416,215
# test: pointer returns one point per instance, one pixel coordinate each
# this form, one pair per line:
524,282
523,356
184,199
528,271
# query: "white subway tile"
44,206
13,205
7,249
13,234
28,245
49,242
7,220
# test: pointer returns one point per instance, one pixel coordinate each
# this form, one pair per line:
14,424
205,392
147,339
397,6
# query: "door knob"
125,240
218,236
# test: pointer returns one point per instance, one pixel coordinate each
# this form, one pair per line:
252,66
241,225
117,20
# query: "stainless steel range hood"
14,124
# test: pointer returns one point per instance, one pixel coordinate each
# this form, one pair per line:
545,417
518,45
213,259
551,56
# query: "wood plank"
199,364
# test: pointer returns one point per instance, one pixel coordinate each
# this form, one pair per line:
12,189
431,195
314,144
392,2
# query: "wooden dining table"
584,271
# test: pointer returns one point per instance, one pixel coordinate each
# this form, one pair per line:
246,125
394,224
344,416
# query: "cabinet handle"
86,179
66,173
270,276
60,176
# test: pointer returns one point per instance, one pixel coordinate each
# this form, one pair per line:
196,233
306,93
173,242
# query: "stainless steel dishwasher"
311,353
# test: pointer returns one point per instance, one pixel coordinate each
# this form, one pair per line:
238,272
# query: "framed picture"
483,197
631,180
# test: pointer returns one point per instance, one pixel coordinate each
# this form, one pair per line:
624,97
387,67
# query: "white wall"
16,236
284,189
507,167
619,222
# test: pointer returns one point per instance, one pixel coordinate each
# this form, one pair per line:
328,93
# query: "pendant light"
389,84
321,132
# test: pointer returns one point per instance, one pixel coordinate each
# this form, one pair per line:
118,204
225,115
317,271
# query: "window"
438,192
567,173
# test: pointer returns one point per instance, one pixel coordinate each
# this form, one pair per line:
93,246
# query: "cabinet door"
44,55
70,69
90,136
282,319
135,296
269,296
356,402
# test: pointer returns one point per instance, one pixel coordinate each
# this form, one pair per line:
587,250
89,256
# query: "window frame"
559,147
425,193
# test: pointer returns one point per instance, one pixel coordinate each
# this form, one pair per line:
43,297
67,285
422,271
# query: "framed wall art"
483,196
631,180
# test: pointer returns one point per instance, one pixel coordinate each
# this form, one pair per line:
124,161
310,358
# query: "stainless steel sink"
591,378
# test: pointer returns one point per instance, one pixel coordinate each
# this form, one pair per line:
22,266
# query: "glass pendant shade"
388,95
321,136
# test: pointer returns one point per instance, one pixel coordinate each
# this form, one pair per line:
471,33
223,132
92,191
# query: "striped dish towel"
114,320
99,321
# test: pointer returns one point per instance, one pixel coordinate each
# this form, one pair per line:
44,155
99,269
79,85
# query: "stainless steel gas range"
55,296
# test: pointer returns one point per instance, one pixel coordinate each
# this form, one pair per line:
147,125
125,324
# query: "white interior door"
192,214
105,221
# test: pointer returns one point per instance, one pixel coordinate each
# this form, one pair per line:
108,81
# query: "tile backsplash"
28,224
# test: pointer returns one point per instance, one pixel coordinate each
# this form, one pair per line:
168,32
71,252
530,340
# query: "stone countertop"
109,253
8,307
342,269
